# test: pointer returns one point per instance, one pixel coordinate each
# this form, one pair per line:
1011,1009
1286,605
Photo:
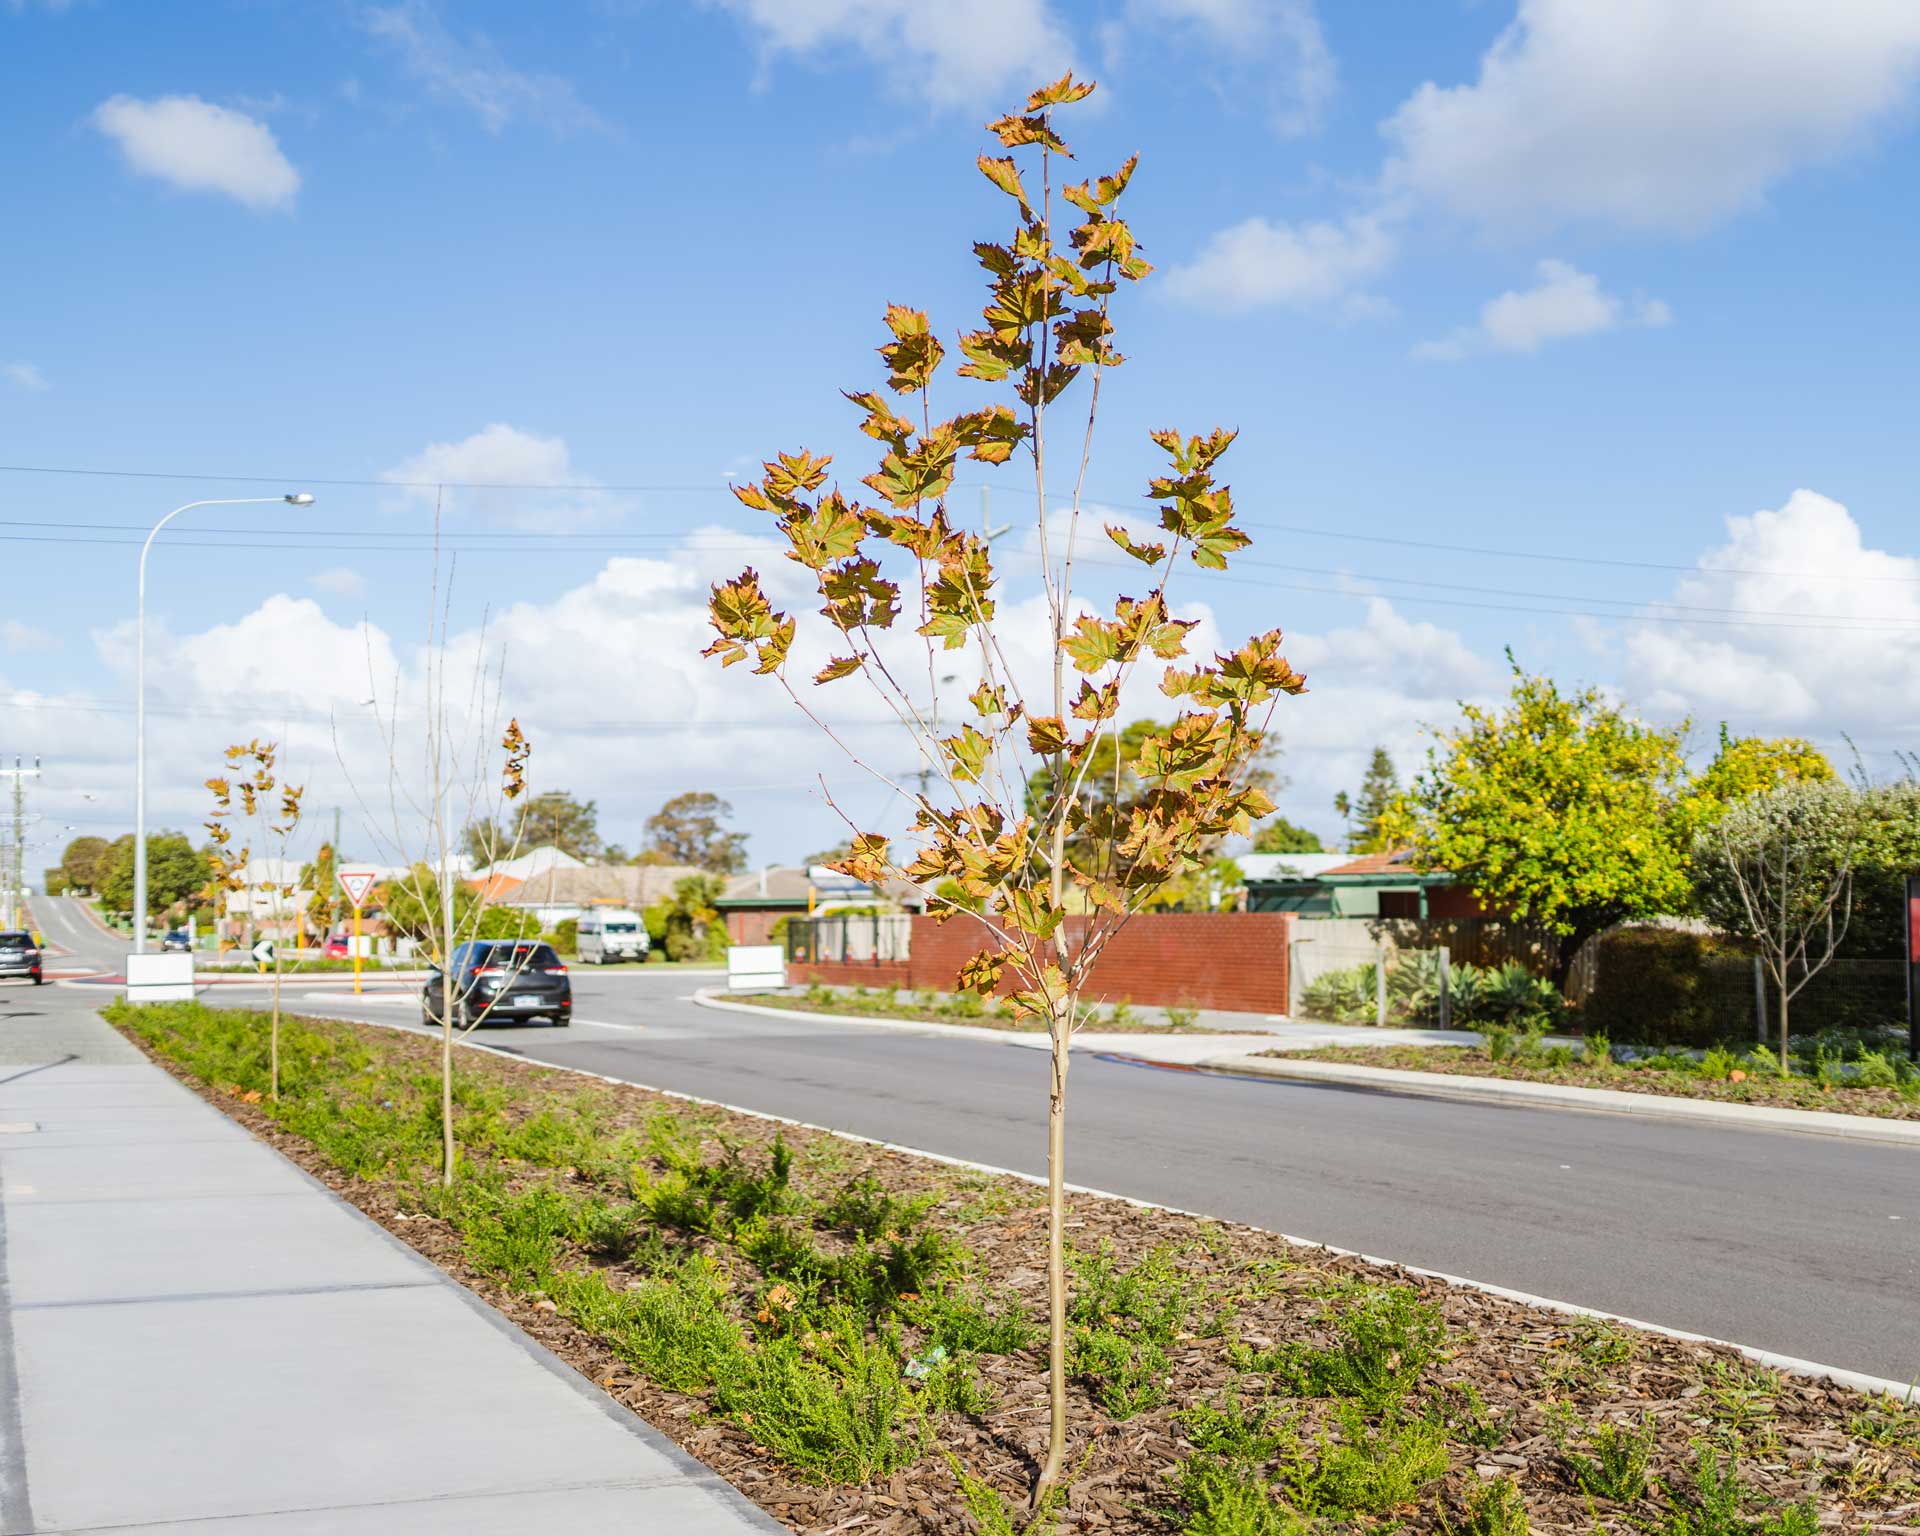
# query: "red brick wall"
747,925
1230,960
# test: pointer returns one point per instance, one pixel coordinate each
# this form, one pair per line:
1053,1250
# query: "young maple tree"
231,870
1049,876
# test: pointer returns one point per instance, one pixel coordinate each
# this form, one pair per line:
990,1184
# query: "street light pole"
292,498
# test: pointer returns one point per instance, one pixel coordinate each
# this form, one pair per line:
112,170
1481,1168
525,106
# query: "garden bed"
971,1009
852,1335
1875,1083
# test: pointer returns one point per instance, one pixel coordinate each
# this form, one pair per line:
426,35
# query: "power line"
302,480
648,542
1090,504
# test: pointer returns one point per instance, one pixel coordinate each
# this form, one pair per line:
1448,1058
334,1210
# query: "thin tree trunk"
1056,1255
1786,1067
274,1032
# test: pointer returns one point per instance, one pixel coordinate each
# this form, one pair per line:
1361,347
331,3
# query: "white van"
608,934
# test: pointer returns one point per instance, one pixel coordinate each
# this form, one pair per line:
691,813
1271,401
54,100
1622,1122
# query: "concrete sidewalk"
196,1337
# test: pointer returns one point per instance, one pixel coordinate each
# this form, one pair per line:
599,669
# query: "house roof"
580,885
535,861
1289,867
494,887
1395,867
790,887
1394,861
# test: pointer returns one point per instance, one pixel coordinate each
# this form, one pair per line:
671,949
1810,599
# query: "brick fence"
1230,960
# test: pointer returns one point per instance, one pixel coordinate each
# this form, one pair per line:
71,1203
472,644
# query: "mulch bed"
1773,1092
1525,1362
1146,1021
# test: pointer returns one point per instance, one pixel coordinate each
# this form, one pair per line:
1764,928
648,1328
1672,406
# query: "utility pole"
15,864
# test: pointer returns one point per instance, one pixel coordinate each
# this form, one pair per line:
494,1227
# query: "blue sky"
1584,279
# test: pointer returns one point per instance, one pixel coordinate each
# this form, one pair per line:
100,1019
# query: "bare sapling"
438,748
1778,870
233,872
1001,810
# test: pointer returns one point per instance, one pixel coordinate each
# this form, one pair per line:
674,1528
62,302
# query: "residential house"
756,901
1340,885
566,891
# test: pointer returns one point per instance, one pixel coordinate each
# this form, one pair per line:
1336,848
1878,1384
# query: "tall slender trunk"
273,1050
1786,1065
1058,1025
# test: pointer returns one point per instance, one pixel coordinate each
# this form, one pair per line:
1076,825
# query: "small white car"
610,934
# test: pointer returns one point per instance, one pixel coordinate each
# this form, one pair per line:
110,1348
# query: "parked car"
176,941
501,981
337,947
20,955
610,933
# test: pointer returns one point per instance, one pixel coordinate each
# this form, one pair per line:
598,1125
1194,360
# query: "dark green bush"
1668,987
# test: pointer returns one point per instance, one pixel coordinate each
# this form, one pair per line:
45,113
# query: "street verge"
809,1314
1445,1085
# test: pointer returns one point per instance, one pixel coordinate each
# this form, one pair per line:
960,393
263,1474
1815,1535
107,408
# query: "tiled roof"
1395,861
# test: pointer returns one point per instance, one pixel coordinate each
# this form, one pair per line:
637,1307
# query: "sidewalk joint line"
343,1288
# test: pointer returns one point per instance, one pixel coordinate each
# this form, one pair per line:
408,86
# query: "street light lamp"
292,498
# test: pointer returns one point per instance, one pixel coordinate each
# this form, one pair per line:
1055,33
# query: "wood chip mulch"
1750,1087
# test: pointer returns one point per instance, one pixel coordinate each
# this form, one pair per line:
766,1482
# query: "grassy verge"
851,1335
967,1008
1882,1084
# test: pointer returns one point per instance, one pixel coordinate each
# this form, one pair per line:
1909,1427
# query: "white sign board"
358,884
263,952
756,967
160,978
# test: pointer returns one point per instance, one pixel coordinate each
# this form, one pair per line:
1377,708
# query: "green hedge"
1661,986
1666,987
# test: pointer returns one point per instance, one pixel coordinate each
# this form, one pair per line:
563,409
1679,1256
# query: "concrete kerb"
1611,1101
1878,1386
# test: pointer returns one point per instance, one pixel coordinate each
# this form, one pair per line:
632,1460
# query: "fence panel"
851,938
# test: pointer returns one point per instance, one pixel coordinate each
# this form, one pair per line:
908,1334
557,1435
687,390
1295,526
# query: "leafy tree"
1278,835
255,760
1047,324
1742,767
84,863
328,904
1555,808
1886,834
691,829
1777,868
831,855
1373,808
177,873
691,915
554,818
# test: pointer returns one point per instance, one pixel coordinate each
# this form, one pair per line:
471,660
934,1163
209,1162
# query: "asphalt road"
1794,1243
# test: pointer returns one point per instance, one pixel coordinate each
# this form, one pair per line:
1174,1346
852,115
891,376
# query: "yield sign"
357,883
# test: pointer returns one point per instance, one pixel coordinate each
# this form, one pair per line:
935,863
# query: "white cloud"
339,581
472,73
966,56
25,376
199,147
1272,50
17,638
1384,681
1652,115
491,463
1256,265
1565,303
1844,655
